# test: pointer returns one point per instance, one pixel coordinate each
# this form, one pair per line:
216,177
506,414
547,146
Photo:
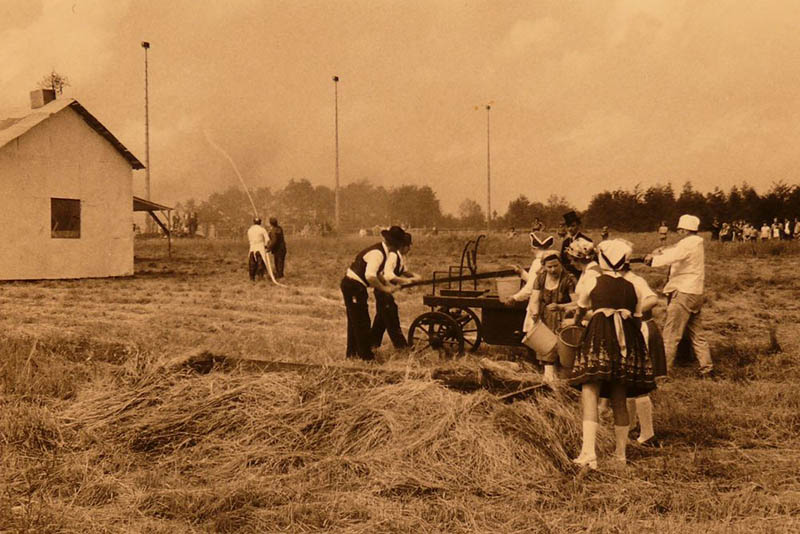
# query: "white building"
66,193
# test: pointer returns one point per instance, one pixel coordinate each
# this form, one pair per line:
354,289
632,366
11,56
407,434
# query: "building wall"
63,157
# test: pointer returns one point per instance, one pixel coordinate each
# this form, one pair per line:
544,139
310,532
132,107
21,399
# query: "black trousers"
280,262
387,319
256,266
358,328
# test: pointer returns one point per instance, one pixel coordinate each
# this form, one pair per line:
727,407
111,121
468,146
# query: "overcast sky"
586,95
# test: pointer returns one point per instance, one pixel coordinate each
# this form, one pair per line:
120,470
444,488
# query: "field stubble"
105,428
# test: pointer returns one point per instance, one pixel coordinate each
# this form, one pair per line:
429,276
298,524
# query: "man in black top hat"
573,224
277,245
365,271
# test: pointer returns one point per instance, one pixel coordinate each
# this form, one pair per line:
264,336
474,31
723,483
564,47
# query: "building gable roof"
13,128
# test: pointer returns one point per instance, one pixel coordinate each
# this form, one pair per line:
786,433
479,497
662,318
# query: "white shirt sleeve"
389,267
373,259
527,289
583,290
671,255
642,289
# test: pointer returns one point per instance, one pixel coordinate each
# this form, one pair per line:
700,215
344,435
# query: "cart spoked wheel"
470,326
436,330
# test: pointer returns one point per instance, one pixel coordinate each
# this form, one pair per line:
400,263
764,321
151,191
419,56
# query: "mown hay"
331,431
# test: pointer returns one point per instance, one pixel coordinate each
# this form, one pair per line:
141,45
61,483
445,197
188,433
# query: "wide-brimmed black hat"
571,218
394,236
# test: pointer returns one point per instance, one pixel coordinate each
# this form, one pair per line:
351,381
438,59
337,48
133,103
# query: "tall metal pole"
146,46
336,128
488,173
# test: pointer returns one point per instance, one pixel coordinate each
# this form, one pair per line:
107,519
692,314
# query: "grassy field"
104,427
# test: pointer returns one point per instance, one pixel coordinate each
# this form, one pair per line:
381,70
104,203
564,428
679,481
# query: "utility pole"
146,46
336,130
488,173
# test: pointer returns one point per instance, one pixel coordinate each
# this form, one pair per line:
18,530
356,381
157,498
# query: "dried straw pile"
278,438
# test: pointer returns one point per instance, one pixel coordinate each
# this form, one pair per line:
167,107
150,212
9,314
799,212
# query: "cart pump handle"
476,276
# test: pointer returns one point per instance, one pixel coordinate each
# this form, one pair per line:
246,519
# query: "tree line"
642,210
365,205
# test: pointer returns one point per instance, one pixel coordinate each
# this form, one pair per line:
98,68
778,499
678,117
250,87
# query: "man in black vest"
572,223
364,272
387,316
277,245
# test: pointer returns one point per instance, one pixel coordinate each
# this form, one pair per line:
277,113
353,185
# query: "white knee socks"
631,412
621,435
588,456
549,373
644,407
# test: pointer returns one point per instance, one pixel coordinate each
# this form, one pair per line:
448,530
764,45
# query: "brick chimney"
40,97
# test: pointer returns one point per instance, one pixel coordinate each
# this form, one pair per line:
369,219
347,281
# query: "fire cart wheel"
438,331
470,326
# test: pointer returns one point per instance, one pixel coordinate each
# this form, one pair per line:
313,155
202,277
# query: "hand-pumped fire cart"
452,324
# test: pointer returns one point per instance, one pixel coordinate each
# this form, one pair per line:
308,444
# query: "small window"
65,218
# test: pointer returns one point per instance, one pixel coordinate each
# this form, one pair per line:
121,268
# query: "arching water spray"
253,204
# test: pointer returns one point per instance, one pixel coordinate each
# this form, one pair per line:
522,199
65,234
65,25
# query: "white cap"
689,222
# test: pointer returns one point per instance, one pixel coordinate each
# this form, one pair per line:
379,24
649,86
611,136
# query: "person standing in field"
663,230
258,237
387,316
684,291
765,231
572,223
604,233
612,360
364,272
277,246
715,227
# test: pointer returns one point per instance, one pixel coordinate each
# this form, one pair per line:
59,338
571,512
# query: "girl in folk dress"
540,243
612,360
553,290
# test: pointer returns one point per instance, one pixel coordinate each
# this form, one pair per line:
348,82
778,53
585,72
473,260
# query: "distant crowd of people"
741,230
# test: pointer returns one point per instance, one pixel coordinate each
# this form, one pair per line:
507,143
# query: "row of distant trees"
362,205
640,209
365,205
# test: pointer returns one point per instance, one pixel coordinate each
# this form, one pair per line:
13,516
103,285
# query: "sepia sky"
588,95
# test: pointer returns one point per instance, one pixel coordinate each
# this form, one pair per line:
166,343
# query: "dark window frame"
65,218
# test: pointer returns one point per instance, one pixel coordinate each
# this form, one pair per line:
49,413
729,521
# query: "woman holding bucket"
612,360
553,291
532,291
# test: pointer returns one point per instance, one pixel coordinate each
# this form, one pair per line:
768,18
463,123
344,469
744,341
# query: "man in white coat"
258,237
684,290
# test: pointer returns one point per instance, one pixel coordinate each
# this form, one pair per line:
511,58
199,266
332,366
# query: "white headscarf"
613,254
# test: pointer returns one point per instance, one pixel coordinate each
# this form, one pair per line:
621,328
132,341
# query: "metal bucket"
540,338
507,286
569,340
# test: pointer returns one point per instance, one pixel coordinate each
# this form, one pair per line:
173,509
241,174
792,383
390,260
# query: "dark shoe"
708,375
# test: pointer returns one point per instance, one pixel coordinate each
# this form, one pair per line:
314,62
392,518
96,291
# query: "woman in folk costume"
540,245
641,407
553,291
612,360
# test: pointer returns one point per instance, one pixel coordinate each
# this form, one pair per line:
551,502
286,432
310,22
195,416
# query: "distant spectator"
512,233
277,246
663,230
257,236
604,233
715,228
796,228
765,231
787,228
777,229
